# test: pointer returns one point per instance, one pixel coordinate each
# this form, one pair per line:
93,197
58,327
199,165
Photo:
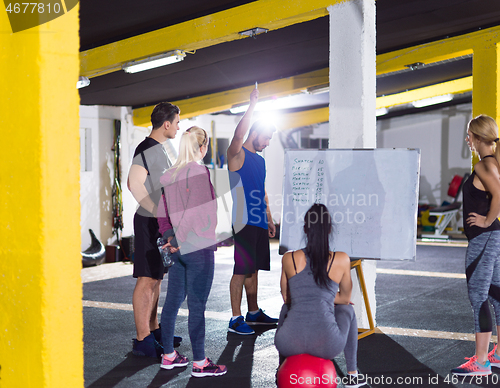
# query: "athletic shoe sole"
478,373
207,374
250,323
172,366
239,332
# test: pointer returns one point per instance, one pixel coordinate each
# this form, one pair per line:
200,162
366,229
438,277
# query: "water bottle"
165,254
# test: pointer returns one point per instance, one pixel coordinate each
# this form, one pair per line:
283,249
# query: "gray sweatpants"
299,337
482,269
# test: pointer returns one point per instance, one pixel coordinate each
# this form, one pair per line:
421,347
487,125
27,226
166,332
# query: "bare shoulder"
491,166
296,255
487,168
342,258
291,257
286,257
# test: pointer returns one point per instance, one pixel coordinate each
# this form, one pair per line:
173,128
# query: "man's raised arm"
236,145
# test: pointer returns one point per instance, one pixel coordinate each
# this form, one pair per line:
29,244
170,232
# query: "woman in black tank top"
481,209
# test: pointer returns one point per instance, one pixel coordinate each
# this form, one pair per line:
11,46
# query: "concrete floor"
424,328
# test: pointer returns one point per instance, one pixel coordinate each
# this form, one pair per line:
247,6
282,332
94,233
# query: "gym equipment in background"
95,254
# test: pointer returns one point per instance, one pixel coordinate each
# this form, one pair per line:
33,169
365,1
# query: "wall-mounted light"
318,89
154,62
415,66
254,32
82,82
432,100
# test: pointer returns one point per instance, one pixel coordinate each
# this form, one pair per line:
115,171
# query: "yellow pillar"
41,331
486,81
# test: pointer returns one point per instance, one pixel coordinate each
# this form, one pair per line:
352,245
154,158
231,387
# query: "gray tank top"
309,298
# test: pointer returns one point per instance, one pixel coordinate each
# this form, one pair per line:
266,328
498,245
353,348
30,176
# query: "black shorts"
251,250
147,259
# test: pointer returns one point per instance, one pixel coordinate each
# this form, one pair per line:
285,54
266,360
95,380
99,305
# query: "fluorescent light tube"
261,105
268,105
154,62
239,109
432,101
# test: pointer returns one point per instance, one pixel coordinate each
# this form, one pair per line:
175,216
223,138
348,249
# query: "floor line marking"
226,315
429,334
451,275
218,315
114,270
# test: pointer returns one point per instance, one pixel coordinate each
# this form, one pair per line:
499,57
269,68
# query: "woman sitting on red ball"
317,317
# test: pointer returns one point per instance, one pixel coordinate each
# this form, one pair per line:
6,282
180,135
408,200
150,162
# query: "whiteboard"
372,196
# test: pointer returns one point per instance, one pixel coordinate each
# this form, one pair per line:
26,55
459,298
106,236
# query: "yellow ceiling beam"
225,100
217,102
458,86
202,32
303,118
438,51
394,61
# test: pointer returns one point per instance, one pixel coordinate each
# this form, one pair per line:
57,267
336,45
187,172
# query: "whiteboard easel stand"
359,272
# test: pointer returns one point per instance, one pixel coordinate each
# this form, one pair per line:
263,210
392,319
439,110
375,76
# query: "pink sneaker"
493,358
472,368
177,362
209,369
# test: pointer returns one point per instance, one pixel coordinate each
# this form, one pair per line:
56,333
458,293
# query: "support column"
352,75
353,101
486,81
40,263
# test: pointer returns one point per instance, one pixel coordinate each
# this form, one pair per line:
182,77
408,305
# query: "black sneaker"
355,381
260,318
157,334
148,347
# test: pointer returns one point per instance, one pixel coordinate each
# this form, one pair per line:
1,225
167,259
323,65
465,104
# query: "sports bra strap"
294,266
331,263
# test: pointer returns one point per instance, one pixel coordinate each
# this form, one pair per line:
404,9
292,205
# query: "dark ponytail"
317,227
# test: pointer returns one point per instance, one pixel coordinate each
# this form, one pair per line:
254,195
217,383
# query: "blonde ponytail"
496,148
191,142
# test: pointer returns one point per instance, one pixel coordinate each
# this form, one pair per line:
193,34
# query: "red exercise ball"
306,371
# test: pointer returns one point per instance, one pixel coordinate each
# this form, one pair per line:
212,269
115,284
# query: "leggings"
342,336
482,269
191,275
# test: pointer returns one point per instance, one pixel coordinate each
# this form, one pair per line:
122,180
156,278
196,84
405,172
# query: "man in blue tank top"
252,221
